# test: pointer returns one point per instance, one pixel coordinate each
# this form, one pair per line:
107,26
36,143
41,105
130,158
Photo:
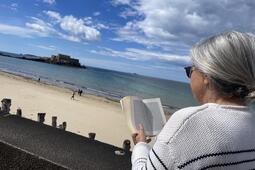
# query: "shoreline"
66,85
168,109
83,115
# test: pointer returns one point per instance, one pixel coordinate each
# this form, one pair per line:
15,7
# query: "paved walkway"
62,147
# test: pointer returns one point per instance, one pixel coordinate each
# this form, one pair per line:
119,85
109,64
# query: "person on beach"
72,97
79,92
220,133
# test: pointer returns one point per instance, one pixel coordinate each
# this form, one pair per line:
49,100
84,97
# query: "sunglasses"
188,71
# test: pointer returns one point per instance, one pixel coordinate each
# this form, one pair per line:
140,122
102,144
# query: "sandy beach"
83,115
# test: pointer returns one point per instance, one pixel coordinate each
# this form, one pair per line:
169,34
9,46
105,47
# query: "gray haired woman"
219,134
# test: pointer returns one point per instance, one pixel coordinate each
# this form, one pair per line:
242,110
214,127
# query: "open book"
148,112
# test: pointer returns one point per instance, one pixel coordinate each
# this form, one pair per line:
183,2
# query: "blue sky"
148,37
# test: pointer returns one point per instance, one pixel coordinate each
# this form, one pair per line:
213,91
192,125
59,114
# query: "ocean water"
106,83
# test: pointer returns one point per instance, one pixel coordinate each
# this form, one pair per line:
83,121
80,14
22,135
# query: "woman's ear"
206,80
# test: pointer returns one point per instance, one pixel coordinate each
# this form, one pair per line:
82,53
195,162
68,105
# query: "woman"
219,134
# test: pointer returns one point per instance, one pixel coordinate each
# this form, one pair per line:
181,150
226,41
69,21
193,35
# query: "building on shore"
62,59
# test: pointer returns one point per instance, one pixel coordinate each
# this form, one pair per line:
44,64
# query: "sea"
110,84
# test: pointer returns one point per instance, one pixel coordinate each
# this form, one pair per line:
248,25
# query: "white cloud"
128,12
89,22
144,55
14,6
49,1
35,29
11,6
53,15
67,27
101,26
16,30
42,28
70,37
96,13
163,22
45,47
121,2
76,29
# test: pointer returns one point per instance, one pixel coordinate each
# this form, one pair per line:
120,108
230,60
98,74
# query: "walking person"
79,92
72,97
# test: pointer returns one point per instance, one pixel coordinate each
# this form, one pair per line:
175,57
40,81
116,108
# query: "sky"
147,37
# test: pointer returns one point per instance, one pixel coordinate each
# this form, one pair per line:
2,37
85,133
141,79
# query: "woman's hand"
140,136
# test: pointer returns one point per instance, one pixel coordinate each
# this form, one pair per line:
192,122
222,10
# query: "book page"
127,109
135,111
149,112
140,115
155,115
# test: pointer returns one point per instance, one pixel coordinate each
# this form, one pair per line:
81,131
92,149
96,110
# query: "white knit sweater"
210,136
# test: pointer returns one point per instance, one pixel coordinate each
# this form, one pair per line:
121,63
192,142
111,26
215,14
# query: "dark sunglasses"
188,71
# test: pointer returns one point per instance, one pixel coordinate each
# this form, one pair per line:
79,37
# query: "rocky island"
60,59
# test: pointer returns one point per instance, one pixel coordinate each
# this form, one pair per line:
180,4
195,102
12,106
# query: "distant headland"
59,59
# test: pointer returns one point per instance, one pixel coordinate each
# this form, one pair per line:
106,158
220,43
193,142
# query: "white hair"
228,59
